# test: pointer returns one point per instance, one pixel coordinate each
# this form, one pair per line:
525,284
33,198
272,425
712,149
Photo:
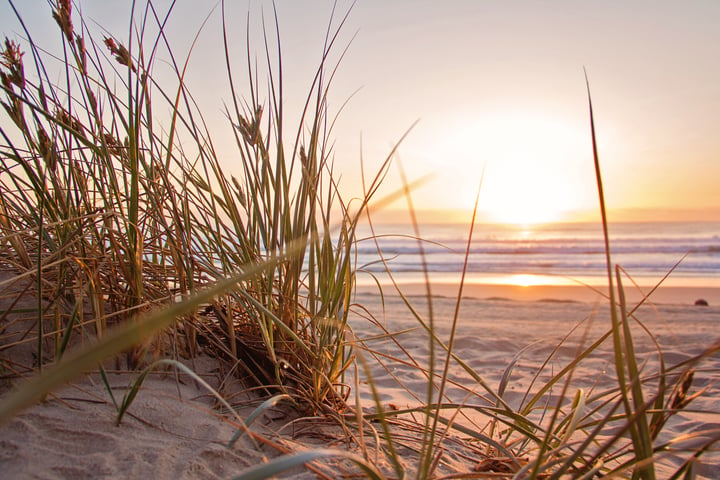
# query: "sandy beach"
175,430
171,431
532,327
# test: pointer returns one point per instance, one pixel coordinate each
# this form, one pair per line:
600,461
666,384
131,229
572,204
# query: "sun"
522,192
536,169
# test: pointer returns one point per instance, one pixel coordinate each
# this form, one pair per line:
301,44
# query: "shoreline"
671,294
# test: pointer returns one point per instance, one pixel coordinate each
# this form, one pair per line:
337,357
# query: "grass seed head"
61,14
113,146
122,55
14,110
11,59
68,121
47,149
82,53
682,399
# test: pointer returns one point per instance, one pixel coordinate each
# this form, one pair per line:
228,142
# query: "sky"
494,92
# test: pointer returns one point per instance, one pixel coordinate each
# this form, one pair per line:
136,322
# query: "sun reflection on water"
526,280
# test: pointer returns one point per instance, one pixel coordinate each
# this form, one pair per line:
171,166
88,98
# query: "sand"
175,430
525,325
169,433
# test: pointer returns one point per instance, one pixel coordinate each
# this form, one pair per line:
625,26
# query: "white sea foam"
563,250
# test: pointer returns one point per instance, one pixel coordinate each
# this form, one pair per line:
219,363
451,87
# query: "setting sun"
525,191
523,200
537,169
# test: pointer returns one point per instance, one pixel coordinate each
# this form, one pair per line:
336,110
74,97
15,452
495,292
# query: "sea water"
553,254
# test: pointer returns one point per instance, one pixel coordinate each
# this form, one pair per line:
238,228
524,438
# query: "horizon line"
616,215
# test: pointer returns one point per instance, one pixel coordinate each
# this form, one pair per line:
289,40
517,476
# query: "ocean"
553,254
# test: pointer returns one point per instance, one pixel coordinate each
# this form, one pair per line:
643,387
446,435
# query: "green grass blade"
269,403
131,393
640,431
287,462
106,382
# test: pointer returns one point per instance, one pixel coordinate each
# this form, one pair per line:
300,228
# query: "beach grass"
110,214
139,248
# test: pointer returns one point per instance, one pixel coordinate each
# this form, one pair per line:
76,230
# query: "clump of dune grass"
91,210
106,213
133,239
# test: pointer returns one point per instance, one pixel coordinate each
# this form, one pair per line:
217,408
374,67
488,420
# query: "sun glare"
525,280
536,168
524,192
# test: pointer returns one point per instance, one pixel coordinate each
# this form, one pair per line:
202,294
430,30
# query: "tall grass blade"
623,357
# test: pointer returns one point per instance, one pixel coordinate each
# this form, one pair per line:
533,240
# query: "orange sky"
497,87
